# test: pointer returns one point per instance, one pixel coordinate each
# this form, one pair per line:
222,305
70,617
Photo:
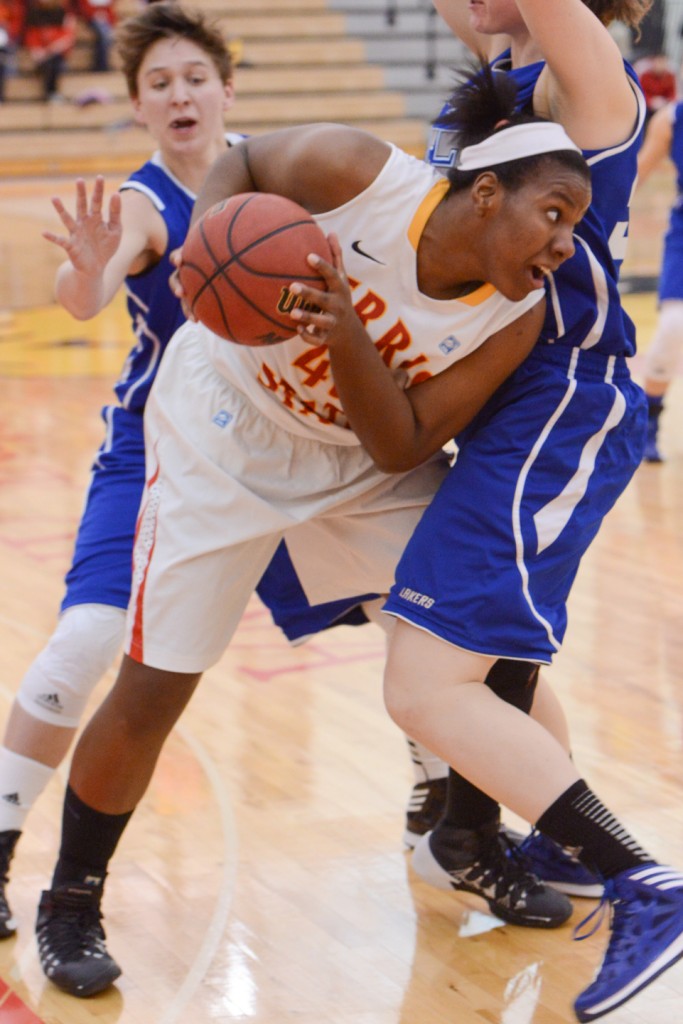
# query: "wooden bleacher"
293,66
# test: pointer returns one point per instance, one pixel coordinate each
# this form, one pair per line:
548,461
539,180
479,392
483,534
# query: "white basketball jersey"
418,336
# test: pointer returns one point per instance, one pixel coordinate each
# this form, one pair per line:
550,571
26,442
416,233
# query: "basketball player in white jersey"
449,301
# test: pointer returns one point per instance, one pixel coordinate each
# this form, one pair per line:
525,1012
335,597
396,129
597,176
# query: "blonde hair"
631,12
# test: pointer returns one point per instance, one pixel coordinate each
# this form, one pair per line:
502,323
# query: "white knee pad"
84,645
664,353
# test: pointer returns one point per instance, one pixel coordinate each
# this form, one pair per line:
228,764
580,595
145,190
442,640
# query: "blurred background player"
49,35
664,140
658,79
11,27
100,16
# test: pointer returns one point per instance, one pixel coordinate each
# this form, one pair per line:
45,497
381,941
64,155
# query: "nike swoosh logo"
361,252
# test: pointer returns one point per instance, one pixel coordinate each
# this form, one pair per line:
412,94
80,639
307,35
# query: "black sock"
89,839
466,805
580,821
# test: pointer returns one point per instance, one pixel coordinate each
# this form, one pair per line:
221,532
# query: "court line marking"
216,927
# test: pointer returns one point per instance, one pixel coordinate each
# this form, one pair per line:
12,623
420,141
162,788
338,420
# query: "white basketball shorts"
224,485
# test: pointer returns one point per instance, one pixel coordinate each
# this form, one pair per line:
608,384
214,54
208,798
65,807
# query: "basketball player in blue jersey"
584,312
575,313
664,139
181,97
546,460
285,460
550,453
148,220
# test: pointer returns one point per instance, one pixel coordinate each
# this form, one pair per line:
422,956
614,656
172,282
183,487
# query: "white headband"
515,142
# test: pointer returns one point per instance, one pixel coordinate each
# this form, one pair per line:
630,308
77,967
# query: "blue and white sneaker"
557,867
646,939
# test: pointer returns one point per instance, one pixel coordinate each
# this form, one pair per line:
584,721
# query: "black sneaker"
8,842
425,807
485,863
71,941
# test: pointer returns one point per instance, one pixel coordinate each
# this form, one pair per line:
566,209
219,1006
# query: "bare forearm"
378,409
83,295
401,428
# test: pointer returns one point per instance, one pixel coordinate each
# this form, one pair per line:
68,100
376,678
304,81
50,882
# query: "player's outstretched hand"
91,240
326,317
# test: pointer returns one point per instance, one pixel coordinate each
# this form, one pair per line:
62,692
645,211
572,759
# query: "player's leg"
471,817
469,849
427,798
515,760
661,363
192,580
111,768
591,422
89,634
44,717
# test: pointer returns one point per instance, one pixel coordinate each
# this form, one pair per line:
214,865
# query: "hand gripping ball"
239,260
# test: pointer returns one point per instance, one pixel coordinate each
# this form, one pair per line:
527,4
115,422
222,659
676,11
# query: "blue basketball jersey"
676,152
155,314
154,321
584,309
101,567
492,561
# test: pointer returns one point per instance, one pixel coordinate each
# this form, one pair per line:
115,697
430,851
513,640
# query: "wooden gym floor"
263,879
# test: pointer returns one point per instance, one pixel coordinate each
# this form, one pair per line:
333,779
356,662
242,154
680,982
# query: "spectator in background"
49,35
648,37
658,79
100,17
11,25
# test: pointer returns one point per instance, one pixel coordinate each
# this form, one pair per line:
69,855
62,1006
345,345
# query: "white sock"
22,780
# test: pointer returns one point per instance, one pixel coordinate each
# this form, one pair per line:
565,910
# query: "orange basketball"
238,261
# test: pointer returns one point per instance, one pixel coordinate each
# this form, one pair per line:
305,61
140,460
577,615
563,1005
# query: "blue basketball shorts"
283,595
100,571
491,563
671,274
